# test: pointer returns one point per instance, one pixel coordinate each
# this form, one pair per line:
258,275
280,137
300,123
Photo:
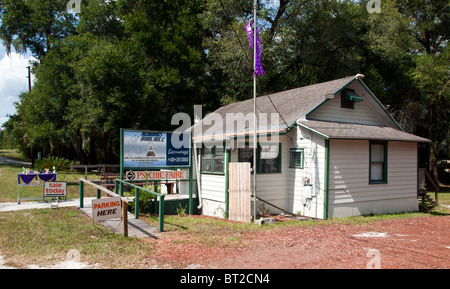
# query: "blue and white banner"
146,149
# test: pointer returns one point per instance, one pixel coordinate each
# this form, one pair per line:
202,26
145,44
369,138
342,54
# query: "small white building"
339,153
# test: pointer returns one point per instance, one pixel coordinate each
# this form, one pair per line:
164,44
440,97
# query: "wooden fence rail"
100,189
125,200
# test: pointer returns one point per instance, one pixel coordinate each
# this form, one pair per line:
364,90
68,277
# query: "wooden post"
125,218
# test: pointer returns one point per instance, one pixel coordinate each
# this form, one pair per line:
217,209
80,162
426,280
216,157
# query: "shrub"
60,164
145,200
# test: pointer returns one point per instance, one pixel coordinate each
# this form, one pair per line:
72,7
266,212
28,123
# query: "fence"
99,190
125,200
136,199
104,168
240,192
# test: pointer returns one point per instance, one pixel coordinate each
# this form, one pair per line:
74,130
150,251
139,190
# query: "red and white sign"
55,189
106,208
155,175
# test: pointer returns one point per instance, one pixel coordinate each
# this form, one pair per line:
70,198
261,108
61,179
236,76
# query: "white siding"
349,190
314,169
273,187
213,187
365,112
213,195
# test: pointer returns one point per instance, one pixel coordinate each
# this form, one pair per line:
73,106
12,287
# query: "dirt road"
404,243
8,161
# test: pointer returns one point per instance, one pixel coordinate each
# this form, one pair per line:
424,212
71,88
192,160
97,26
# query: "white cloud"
13,81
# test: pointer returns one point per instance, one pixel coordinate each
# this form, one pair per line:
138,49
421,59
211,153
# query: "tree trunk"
433,147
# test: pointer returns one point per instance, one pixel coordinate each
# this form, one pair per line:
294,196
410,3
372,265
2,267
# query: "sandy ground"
72,261
412,243
405,243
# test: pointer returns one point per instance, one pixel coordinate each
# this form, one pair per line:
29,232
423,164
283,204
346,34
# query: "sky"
13,81
13,78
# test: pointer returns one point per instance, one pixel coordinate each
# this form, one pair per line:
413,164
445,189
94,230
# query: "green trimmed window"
267,157
213,160
378,163
348,98
296,158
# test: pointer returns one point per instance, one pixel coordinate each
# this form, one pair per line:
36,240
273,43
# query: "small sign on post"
107,208
155,175
55,189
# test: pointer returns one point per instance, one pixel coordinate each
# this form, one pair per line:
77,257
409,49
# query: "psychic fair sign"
147,149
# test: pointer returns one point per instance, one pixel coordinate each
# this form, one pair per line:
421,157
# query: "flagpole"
254,111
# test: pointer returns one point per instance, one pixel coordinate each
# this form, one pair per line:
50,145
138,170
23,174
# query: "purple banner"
27,178
249,29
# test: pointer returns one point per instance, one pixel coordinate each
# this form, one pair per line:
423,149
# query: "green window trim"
260,161
212,159
378,162
294,154
348,99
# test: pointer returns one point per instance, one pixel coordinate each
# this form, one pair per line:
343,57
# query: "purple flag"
258,67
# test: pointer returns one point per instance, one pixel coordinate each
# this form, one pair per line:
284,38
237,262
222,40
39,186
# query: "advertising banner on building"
147,149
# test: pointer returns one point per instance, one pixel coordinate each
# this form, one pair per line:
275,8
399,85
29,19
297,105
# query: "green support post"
136,203
191,203
121,162
115,187
81,194
161,213
227,195
99,194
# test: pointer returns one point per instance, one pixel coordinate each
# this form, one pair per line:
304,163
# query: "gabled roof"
336,130
292,106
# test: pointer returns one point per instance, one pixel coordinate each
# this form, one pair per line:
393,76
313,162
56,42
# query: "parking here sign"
55,189
106,208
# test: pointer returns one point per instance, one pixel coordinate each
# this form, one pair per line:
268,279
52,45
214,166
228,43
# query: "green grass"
8,184
14,154
45,236
8,181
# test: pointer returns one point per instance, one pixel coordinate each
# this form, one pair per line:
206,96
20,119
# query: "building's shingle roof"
335,130
293,105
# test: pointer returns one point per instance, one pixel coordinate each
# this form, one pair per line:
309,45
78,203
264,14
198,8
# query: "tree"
431,75
430,27
34,25
129,63
8,135
134,63
414,36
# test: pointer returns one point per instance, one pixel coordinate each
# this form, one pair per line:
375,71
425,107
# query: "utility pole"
29,90
29,78
254,111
